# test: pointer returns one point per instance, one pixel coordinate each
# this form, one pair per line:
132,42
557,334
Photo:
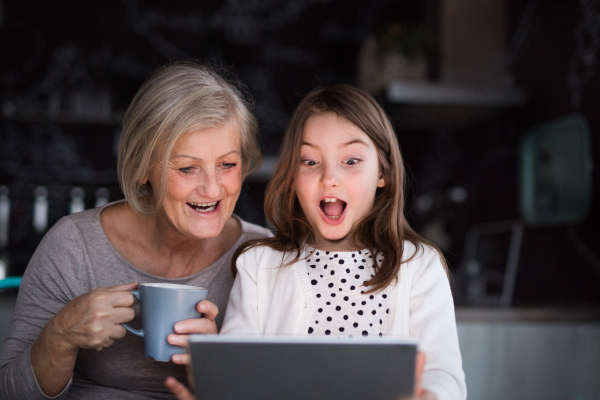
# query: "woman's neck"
184,255
152,244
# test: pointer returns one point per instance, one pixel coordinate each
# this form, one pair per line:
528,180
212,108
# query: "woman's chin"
200,228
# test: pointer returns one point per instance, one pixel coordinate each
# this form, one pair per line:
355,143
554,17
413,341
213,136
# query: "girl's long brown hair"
384,229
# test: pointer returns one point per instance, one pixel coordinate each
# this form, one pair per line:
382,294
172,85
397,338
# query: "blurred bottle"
40,209
4,229
77,200
102,196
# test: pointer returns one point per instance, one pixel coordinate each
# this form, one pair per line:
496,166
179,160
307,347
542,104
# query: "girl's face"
204,180
337,178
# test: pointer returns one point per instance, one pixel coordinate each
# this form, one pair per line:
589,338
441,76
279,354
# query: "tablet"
289,368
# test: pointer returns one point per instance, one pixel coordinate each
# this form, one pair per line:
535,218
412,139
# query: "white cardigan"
269,300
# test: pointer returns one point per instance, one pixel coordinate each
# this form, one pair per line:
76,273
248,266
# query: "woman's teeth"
204,207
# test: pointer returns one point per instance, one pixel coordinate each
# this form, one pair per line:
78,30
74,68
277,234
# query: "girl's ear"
381,181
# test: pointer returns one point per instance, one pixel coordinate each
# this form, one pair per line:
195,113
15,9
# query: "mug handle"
138,332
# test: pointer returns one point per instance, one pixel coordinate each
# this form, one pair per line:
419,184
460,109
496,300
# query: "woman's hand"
193,326
93,320
90,321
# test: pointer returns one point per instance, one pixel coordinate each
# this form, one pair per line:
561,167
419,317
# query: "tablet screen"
230,367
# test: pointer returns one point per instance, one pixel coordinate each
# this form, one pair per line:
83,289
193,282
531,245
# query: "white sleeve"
241,316
432,321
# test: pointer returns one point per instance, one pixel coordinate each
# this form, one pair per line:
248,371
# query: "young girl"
344,261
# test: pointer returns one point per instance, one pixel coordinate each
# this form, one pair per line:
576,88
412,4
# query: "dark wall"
553,52
557,63
68,70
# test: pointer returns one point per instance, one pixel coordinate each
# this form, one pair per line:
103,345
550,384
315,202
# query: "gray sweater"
75,257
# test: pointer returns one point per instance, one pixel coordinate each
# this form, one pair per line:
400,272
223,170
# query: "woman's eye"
229,165
186,170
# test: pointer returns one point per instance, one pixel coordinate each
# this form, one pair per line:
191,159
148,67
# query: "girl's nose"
211,185
330,177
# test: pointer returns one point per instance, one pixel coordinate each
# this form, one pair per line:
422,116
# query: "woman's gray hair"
177,99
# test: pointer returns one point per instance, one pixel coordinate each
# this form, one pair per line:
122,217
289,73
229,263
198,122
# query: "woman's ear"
143,181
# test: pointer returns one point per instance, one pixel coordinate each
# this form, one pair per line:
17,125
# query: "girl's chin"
328,238
337,220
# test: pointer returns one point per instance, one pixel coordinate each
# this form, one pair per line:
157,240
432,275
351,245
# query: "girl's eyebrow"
200,159
359,141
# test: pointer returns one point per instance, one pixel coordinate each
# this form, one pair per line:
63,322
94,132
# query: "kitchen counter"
530,353
8,298
516,353
530,314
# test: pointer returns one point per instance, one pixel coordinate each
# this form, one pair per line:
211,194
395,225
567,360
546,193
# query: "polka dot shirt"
342,309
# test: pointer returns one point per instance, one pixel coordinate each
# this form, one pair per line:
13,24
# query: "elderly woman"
188,141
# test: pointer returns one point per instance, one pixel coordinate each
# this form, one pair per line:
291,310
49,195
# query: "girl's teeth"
330,199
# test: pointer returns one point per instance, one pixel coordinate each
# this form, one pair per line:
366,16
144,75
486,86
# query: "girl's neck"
342,245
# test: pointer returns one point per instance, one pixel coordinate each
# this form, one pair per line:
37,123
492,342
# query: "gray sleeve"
51,280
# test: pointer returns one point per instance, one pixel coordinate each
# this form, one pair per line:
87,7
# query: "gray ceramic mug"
162,305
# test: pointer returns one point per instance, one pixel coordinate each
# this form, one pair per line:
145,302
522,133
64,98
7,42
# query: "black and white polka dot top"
342,309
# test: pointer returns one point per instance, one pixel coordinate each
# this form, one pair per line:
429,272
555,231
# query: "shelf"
437,94
265,171
113,119
527,314
428,105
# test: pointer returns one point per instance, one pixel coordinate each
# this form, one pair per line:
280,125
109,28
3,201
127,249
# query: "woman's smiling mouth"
204,207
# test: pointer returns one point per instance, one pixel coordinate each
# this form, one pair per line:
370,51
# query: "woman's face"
204,175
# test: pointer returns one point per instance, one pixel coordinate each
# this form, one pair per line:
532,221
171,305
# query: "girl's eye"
309,163
351,161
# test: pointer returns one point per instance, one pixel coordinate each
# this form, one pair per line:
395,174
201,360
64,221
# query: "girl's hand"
192,326
420,393
178,389
424,395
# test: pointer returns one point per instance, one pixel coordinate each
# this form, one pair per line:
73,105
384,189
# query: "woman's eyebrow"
200,159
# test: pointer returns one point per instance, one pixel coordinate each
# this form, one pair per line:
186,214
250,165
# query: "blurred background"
496,106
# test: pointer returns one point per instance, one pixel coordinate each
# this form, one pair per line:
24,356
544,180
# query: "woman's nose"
211,185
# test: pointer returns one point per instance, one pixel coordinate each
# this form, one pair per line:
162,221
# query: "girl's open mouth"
332,208
204,207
